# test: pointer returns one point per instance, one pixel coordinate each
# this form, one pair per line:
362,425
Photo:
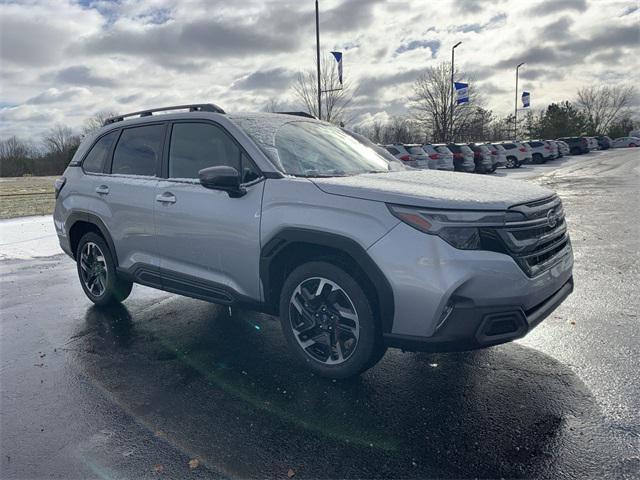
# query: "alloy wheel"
93,269
324,321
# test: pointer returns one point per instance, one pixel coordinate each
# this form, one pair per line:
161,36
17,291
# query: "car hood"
435,189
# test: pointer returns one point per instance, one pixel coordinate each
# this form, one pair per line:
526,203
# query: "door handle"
166,197
102,190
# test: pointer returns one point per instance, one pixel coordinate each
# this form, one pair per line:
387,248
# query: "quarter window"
139,151
195,146
94,161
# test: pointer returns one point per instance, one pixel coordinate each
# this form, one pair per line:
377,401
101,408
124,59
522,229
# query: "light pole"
453,90
515,113
318,61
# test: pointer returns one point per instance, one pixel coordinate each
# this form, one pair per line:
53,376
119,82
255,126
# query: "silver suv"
294,217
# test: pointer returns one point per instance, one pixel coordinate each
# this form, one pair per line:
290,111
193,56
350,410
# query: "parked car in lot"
294,217
463,157
593,143
577,145
401,152
447,157
482,158
437,160
553,148
516,154
623,142
540,151
604,142
499,154
563,148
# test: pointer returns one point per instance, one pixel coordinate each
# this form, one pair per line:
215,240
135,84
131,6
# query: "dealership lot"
142,390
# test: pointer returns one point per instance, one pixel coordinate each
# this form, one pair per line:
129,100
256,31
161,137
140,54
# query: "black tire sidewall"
116,290
368,341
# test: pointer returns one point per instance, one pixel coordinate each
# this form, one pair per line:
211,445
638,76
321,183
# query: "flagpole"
515,114
453,90
318,61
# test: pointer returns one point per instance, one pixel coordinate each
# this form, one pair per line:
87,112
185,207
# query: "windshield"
312,149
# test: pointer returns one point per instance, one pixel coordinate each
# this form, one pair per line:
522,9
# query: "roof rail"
297,114
195,107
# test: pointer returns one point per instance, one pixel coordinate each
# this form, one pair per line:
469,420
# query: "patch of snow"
435,189
28,237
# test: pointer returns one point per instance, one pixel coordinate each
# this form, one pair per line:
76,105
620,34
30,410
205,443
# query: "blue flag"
338,57
462,92
526,99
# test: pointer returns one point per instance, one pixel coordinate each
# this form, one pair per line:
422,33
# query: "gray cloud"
55,96
553,6
558,30
434,45
371,86
574,51
23,43
272,79
81,75
169,43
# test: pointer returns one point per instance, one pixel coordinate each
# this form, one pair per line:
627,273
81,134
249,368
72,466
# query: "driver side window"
195,146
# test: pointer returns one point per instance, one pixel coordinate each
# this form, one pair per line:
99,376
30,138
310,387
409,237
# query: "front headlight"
459,228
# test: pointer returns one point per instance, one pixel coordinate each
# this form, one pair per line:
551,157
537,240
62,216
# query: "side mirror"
222,178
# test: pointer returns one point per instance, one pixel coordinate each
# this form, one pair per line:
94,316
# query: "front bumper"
472,328
443,295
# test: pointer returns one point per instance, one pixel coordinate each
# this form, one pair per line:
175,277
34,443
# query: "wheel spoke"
324,320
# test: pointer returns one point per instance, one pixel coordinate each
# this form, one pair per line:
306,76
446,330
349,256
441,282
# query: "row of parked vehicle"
483,157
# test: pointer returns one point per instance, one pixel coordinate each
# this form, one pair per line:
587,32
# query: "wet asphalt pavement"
138,391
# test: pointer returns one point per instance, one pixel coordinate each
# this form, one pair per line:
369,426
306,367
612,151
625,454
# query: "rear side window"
509,146
139,151
416,150
195,146
94,161
393,151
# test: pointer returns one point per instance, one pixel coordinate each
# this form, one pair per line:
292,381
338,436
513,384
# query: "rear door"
129,191
209,242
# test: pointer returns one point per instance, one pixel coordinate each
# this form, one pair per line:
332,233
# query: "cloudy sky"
62,61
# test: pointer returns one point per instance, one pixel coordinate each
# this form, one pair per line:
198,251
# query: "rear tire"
328,321
511,162
537,158
97,272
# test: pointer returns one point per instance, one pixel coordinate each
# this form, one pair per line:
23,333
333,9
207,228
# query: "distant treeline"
49,156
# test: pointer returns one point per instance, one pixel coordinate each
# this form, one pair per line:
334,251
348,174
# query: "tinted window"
393,151
94,161
416,150
509,146
195,146
138,151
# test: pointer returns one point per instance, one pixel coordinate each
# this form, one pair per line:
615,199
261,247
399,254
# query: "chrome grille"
540,240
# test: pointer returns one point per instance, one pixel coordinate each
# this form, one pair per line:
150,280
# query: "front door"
208,242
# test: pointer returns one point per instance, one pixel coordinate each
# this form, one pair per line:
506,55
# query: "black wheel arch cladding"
273,253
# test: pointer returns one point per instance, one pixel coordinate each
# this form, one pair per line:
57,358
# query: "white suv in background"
517,154
411,155
437,160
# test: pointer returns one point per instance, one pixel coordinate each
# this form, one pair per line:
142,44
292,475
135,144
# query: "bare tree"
94,123
603,105
431,104
59,140
272,106
335,99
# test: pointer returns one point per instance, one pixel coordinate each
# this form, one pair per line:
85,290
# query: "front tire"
328,321
97,272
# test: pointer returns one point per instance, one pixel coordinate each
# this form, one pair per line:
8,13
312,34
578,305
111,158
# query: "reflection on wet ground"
226,387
